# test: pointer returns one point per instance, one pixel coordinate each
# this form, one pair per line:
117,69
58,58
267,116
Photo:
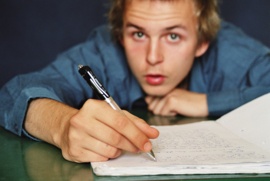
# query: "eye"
173,37
138,35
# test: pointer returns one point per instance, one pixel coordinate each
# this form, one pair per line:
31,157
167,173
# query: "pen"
88,75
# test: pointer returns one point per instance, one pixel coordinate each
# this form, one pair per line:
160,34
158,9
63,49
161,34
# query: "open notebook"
238,142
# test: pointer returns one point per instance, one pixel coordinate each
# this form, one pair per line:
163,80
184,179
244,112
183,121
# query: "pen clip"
92,80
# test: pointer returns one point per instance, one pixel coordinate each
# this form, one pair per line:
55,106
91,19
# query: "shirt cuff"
25,133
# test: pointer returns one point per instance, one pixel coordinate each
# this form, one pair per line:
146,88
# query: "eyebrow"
176,26
131,25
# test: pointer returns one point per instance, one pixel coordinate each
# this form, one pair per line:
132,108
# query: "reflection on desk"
24,159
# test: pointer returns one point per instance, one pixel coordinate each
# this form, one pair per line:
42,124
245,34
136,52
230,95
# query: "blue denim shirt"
234,70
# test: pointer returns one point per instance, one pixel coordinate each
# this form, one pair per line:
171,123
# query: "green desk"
23,159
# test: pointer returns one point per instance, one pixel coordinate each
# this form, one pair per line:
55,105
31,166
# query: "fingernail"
147,146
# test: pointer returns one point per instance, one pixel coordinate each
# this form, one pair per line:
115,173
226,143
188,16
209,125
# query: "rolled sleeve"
15,104
220,103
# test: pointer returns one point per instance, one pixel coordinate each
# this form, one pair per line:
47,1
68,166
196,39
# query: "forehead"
174,6
166,11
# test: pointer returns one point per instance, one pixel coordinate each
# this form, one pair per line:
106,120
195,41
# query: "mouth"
154,79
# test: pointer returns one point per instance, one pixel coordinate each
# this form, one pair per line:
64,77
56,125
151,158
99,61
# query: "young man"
164,51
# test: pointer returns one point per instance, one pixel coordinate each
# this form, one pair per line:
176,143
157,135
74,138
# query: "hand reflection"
171,120
158,120
45,162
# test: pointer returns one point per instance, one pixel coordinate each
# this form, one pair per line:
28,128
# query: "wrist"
60,134
204,106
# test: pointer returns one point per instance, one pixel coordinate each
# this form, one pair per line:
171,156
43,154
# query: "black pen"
88,75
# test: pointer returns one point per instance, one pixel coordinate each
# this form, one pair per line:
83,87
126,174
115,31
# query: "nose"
154,53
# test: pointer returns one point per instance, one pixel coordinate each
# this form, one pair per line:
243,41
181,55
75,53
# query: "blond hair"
206,12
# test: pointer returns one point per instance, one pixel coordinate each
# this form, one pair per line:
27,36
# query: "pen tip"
152,155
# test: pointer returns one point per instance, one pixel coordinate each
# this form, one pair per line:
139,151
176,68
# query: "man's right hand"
96,132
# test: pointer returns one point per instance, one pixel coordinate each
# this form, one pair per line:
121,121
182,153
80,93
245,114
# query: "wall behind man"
32,33
250,15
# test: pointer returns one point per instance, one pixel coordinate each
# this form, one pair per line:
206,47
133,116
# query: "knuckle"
138,138
74,121
113,152
73,152
66,156
71,155
89,102
150,108
170,100
93,104
72,137
121,122
156,112
116,139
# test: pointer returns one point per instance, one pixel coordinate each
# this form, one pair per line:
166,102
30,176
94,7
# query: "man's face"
160,41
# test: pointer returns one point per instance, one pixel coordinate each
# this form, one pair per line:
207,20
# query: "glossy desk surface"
24,159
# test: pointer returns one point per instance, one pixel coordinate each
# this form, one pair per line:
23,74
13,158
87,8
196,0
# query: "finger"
88,156
94,147
106,134
143,126
85,156
159,106
166,107
129,130
107,131
153,103
149,99
170,113
118,121
84,148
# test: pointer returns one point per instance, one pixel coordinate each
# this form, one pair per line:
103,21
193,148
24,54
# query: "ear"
201,49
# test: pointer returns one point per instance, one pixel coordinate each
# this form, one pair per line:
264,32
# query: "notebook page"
251,121
183,149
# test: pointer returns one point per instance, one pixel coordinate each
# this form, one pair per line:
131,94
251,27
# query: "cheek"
135,55
133,49
180,62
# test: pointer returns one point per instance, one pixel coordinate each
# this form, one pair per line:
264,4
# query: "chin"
156,91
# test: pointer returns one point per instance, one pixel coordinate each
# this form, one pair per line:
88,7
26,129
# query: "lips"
155,79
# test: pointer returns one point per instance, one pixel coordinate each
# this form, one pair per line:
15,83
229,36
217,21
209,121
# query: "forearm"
46,120
179,101
220,103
